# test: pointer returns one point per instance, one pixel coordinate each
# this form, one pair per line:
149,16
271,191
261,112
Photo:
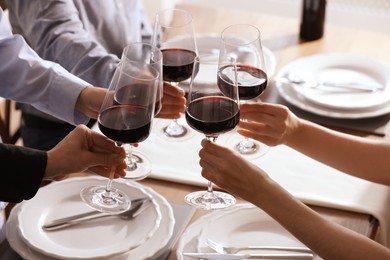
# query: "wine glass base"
98,198
249,148
234,142
175,132
206,200
161,126
141,169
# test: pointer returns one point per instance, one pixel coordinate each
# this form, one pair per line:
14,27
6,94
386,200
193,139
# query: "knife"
249,256
75,219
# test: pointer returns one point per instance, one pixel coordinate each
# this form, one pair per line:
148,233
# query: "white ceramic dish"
296,96
102,238
340,68
240,225
144,251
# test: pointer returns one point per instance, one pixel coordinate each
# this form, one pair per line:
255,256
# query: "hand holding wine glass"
242,41
125,117
212,109
174,35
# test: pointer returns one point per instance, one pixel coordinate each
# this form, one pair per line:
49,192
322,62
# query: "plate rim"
30,254
70,255
309,106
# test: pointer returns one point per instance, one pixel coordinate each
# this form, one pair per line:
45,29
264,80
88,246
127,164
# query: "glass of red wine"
212,109
243,43
145,54
174,35
125,117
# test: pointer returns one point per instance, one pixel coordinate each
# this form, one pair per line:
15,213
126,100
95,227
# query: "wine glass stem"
209,183
109,183
131,163
174,121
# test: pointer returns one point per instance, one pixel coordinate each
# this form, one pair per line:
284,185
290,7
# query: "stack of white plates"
239,226
105,238
338,103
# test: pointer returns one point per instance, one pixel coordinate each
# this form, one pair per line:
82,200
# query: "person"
25,77
274,124
86,37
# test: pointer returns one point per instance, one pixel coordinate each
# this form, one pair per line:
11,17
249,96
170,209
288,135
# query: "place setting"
336,85
110,236
242,231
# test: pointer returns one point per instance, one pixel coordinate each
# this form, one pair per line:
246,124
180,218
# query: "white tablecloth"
309,180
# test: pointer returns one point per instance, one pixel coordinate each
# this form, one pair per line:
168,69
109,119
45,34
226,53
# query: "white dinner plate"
294,96
100,238
144,251
239,225
340,68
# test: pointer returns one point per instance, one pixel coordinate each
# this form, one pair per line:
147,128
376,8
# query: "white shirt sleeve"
27,78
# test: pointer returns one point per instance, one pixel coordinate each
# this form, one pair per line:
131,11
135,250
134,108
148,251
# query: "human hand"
271,124
90,100
230,171
82,150
174,102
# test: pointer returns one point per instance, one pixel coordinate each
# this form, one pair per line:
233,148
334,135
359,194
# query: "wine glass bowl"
212,109
125,117
243,43
174,35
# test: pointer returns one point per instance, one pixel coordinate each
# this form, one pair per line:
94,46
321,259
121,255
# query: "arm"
23,169
275,124
329,240
29,79
54,29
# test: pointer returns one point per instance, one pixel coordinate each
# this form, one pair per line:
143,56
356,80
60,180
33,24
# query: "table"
281,35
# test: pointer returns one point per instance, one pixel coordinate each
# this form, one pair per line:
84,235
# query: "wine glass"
144,54
212,109
174,35
243,43
125,117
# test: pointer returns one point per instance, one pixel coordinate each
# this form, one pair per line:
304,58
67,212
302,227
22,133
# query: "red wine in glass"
251,81
177,64
125,123
213,115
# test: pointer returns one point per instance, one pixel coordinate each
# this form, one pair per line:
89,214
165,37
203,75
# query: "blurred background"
366,14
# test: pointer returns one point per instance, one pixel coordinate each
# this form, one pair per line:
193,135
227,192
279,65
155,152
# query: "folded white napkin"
310,181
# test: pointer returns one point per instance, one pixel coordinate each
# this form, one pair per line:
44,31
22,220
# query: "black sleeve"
22,171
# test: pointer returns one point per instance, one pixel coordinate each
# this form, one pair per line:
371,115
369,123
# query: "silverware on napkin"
249,256
137,206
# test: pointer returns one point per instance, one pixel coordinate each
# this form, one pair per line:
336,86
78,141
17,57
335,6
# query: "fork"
233,250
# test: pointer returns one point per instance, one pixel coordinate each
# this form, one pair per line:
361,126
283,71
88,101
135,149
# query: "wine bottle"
313,20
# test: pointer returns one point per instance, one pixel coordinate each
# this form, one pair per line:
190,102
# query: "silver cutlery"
233,250
249,256
137,206
351,86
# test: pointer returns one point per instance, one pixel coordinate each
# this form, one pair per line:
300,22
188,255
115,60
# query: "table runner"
310,181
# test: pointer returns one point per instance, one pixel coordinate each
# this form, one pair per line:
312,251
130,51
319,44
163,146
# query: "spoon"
135,209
